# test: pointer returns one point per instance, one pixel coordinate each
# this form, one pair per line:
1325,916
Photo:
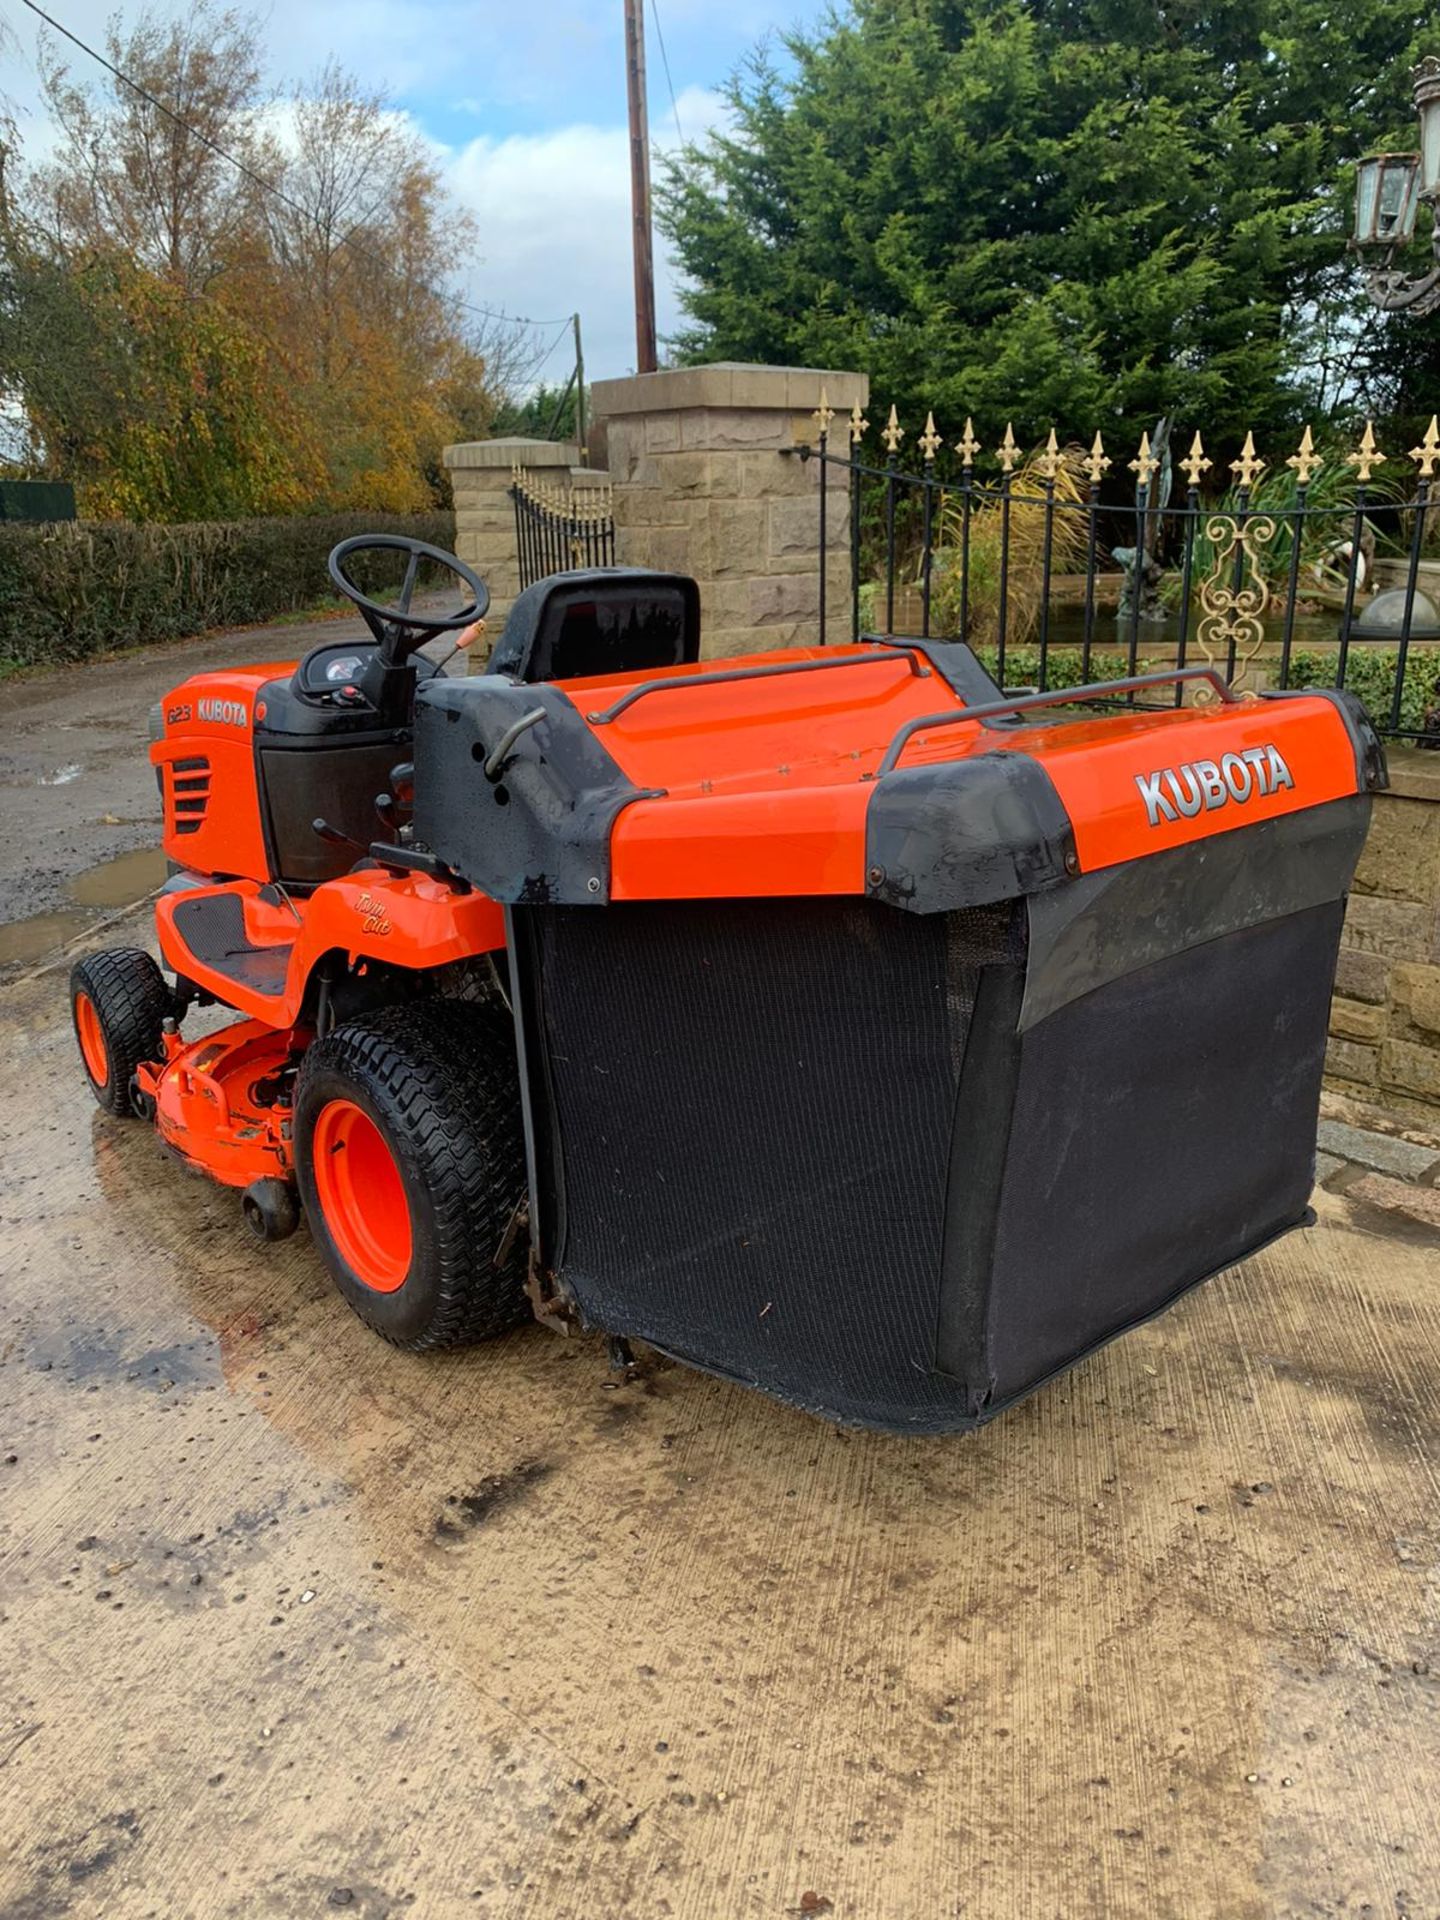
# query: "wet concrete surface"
291,1623
76,783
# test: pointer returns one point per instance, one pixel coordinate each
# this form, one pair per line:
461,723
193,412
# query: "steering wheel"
398,630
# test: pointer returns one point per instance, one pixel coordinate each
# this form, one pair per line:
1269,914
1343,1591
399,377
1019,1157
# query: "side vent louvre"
189,794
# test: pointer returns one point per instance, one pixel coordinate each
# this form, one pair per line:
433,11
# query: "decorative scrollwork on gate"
1234,598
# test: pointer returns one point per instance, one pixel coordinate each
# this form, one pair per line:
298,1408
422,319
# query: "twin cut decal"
372,912
233,713
1173,793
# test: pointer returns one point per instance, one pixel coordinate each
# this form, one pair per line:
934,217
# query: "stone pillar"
480,475
1384,1052
707,483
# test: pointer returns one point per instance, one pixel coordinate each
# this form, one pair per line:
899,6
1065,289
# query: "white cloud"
553,210
552,206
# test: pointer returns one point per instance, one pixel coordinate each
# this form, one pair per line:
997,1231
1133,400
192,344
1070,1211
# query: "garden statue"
1150,574
1141,569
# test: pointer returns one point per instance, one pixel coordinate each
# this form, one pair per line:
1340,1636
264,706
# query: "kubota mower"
829,1018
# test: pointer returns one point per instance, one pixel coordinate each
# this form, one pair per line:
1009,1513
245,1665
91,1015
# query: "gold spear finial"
1008,452
1195,462
859,425
1144,464
1428,452
1249,467
1049,461
1306,462
893,433
930,442
1097,462
1368,456
967,446
823,414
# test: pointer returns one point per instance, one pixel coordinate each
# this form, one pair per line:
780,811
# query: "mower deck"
221,1103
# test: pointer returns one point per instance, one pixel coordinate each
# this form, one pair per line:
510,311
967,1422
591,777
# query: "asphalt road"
79,790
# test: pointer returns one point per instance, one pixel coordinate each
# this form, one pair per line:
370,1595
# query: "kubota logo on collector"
1174,793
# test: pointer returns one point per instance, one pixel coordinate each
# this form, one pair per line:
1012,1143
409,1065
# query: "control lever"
395,807
335,837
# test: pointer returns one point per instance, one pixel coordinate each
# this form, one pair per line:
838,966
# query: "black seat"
601,620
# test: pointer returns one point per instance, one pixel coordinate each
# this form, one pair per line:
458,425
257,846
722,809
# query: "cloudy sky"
526,103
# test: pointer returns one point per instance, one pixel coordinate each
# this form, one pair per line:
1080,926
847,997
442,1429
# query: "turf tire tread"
443,1073
129,993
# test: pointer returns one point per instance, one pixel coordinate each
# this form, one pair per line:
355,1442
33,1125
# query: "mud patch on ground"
95,1356
495,1493
1395,1419
63,1867
1390,1224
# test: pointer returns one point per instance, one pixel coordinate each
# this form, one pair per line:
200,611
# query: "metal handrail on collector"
629,698
1058,697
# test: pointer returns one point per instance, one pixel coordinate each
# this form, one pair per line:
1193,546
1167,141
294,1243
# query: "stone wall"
707,482
1384,1052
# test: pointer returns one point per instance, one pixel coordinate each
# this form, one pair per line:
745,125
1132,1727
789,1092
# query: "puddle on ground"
120,882
26,940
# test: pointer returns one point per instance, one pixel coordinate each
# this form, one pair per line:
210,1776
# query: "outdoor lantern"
1387,195
1427,102
1388,190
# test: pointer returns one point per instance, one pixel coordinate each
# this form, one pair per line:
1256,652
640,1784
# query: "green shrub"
1064,666
1370,672
69,590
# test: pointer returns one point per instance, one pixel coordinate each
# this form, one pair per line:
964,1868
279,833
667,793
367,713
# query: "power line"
269,186
665,62
565,326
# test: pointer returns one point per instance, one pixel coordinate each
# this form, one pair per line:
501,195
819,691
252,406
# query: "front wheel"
118,1002
410,1156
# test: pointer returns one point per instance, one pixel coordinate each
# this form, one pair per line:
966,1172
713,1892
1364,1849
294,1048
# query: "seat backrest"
601,620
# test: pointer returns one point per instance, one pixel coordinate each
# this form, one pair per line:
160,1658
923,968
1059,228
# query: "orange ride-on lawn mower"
830,1018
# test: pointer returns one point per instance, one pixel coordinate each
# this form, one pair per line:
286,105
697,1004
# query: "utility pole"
581,433
640,187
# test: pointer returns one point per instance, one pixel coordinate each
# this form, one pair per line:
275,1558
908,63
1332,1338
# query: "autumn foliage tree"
159,406
192,335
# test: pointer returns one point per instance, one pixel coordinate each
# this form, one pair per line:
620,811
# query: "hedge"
1370,672
68,590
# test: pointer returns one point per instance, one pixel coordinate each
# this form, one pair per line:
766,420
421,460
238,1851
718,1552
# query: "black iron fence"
557,528
1315,570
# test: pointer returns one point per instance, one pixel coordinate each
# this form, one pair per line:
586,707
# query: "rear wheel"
410,1156
118,1000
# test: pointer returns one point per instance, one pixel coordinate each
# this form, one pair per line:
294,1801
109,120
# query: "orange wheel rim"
361,1195
91,1036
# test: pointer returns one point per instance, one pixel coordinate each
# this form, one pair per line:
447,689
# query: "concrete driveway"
291,1623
